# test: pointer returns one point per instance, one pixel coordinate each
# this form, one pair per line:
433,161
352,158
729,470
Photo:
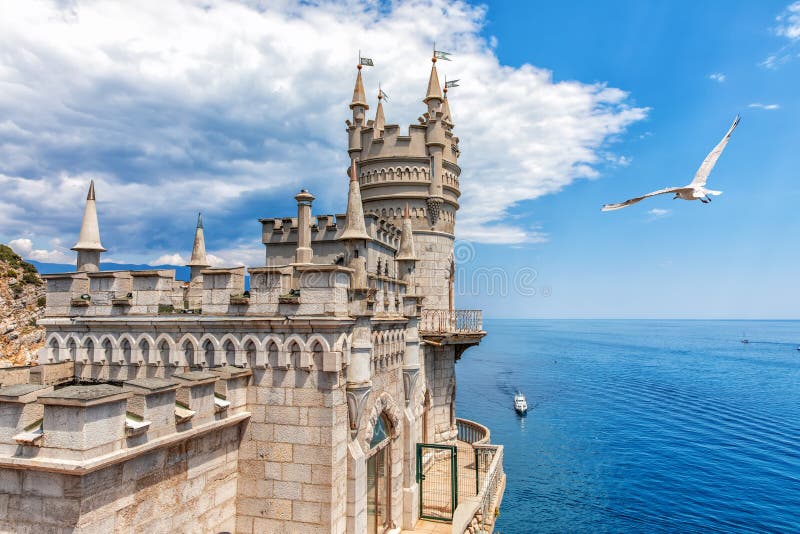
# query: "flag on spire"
450,83
367,62
440,54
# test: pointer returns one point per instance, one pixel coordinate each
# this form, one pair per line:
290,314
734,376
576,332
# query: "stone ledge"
83,467
85,396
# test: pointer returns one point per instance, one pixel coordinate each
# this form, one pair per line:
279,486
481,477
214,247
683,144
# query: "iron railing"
482,508
451,321
472,432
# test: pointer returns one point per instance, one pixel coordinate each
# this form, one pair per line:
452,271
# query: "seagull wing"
612,207
705,169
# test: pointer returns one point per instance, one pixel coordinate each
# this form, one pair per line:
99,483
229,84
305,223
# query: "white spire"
89,238
88,246
354,227
199,248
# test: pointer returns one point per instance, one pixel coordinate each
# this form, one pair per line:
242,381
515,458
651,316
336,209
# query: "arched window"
53,349
89,350
250,350
208,352
72,349
188,353
379,477
107,350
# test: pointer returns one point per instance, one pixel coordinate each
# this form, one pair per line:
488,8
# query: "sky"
230,107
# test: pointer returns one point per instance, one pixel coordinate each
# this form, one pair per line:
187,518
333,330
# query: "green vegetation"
31,279
11,273
41,301
15,261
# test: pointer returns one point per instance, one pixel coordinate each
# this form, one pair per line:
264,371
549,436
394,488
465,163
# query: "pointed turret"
359,96
199,248
354,227
406,250
447,116
88,246
434,89
380,120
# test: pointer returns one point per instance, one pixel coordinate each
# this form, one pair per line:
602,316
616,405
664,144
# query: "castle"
319,399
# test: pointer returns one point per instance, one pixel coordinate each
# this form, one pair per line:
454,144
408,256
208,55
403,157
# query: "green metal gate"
437,475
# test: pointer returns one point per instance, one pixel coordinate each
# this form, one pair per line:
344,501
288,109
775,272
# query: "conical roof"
406,250
199,248
354,226
447,116
89,237
434,89
380,120
359,96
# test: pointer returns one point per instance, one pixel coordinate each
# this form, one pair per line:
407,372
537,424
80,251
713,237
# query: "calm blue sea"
641,426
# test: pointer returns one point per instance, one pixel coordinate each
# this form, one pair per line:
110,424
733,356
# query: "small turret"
88,246
433,97
380,120
447,116
359,96
354,226
198,262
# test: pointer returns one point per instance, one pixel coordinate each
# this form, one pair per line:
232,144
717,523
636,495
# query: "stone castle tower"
417,172
318,398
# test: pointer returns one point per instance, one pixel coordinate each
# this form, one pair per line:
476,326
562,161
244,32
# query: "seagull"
695,190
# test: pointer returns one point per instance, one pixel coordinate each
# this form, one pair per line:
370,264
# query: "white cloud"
789,22
176,107
24,247
169,259
717,77
759,105
659,213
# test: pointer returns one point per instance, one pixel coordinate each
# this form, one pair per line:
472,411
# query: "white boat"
520,404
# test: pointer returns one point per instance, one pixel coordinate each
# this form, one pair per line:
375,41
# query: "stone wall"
292,460
189,487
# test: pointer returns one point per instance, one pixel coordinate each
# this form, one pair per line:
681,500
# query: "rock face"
22,299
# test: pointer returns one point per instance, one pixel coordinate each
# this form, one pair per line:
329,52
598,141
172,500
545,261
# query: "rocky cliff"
21,304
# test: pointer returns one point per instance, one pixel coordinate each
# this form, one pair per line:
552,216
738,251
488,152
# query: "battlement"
82,427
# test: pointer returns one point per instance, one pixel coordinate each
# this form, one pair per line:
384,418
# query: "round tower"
419,169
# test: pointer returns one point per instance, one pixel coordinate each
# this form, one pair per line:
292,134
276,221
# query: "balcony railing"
472,432
451,321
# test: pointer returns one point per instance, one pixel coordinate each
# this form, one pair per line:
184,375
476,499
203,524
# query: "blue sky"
231,107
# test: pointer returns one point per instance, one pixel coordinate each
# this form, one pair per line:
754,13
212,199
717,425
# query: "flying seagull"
695,190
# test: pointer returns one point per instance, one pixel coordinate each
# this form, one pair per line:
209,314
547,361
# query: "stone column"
304,253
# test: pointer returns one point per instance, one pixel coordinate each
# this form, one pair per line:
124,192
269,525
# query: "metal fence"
451,321
472,432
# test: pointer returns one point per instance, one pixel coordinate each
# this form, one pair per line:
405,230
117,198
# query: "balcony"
444,322
480,483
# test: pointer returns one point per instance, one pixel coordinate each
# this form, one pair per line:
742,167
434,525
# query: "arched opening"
72,349
53,350
163,350
126,351
107,350
272,354
294,356
89,350
188,353
379,489
208,353
250,351
144,350
317,355
230,353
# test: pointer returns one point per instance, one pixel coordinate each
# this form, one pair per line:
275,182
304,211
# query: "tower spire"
354,227
359,96
447,116
88,246
434,89
199,248
380,119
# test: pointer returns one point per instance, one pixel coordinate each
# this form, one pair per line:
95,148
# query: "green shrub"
11,273
7,255
32,279
28,267
41,301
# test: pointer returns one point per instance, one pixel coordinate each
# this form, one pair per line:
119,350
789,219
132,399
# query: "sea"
641,426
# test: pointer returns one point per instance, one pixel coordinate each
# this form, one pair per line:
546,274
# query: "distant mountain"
181,272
